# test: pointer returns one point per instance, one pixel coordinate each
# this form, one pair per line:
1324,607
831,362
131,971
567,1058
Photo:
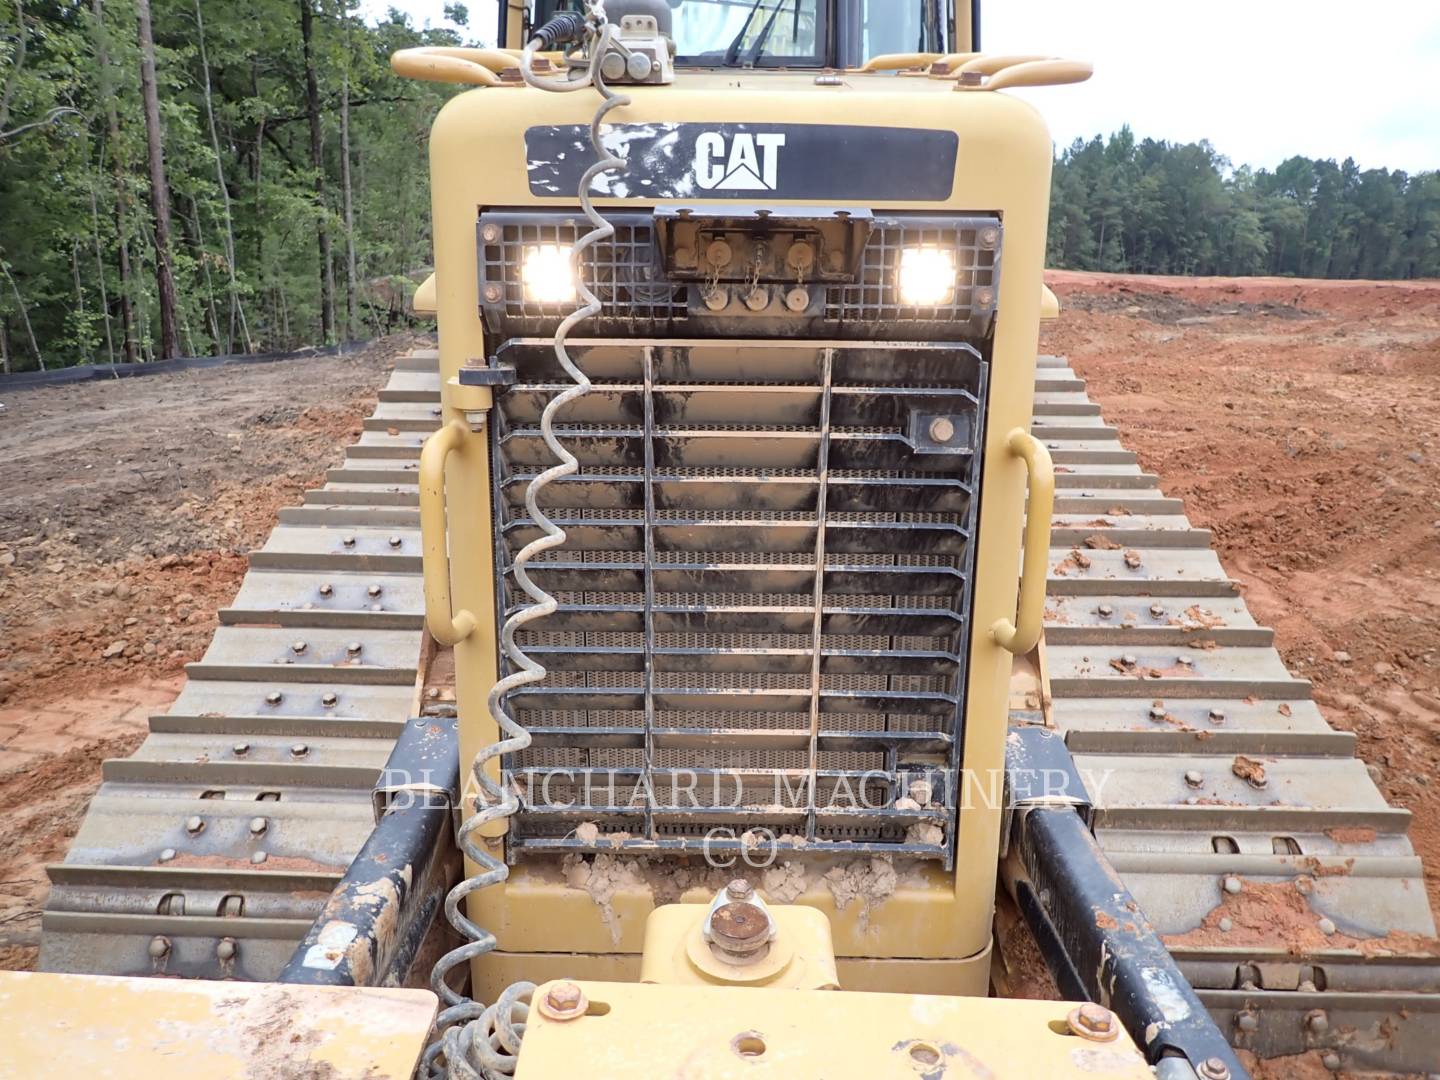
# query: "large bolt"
327,589
354,648
1214,1069
347,541
395,541
1158,713
1105,611
258,858
1217,716
1157,610
241,749
374,591
490,233
1331,1061
300,749
194,824
740,931
225,949
274,697
258,825
493,293
564,1001
328,699
740,889
1094,1022
1194,779
1317,1022
168,854
1327,926
942,429
159,947
298,647
1233,886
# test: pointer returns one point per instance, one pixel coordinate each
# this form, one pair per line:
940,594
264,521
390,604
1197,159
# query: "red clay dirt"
126,514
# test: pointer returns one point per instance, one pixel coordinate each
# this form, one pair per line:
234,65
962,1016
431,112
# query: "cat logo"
751,163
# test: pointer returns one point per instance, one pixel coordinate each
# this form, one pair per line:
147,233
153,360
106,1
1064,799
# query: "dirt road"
126,511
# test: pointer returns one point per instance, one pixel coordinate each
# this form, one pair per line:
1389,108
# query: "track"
1134,588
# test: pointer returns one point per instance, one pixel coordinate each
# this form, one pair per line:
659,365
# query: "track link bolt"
274,697
1105,611
226,949
490,233
328,699
159,947
258,858
241,749
1157,611
327,590
1214,1069
298,647
1233,886
1217,716
1247,1022
1226,925
1158,713
1184,661
564,1001
347,541
1194,779
194,824
168,854
1094,1022
1327,926
373,591
354,648
300,749
1331,1061
395,541
258,825
740,889
1317,1022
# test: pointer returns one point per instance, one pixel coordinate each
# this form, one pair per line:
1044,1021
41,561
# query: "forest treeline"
1154,207
180,177
192,177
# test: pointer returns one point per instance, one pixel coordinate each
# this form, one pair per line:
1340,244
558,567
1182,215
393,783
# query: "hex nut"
1093,1022
300,749
564,1001
1214,1069
740,889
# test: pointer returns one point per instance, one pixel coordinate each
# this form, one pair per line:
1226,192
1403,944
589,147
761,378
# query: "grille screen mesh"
774,645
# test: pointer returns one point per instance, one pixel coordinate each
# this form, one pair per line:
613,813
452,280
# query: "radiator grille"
764,594
627,274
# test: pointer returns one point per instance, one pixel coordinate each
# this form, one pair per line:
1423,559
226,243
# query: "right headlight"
927,276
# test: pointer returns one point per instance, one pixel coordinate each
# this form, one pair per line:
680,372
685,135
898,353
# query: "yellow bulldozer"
696,646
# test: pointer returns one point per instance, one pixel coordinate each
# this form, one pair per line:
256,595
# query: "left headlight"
546,274
927,276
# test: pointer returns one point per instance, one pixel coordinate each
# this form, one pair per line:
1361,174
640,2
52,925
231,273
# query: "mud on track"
126,511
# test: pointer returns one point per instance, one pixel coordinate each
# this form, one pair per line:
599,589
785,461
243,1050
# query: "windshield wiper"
732,51
753,54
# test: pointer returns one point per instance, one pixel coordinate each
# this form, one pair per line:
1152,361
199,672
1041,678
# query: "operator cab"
789,33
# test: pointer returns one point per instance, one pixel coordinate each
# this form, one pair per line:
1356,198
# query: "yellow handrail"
445,628
444,63
1041,73
1023,635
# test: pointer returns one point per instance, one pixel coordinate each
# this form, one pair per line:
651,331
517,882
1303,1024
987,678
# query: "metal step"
1217,783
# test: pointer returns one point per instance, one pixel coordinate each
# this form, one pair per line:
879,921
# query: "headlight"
927,276
546,274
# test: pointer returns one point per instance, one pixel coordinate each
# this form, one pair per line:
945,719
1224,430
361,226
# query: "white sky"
1261,79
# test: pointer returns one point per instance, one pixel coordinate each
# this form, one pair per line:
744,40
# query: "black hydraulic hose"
563,28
